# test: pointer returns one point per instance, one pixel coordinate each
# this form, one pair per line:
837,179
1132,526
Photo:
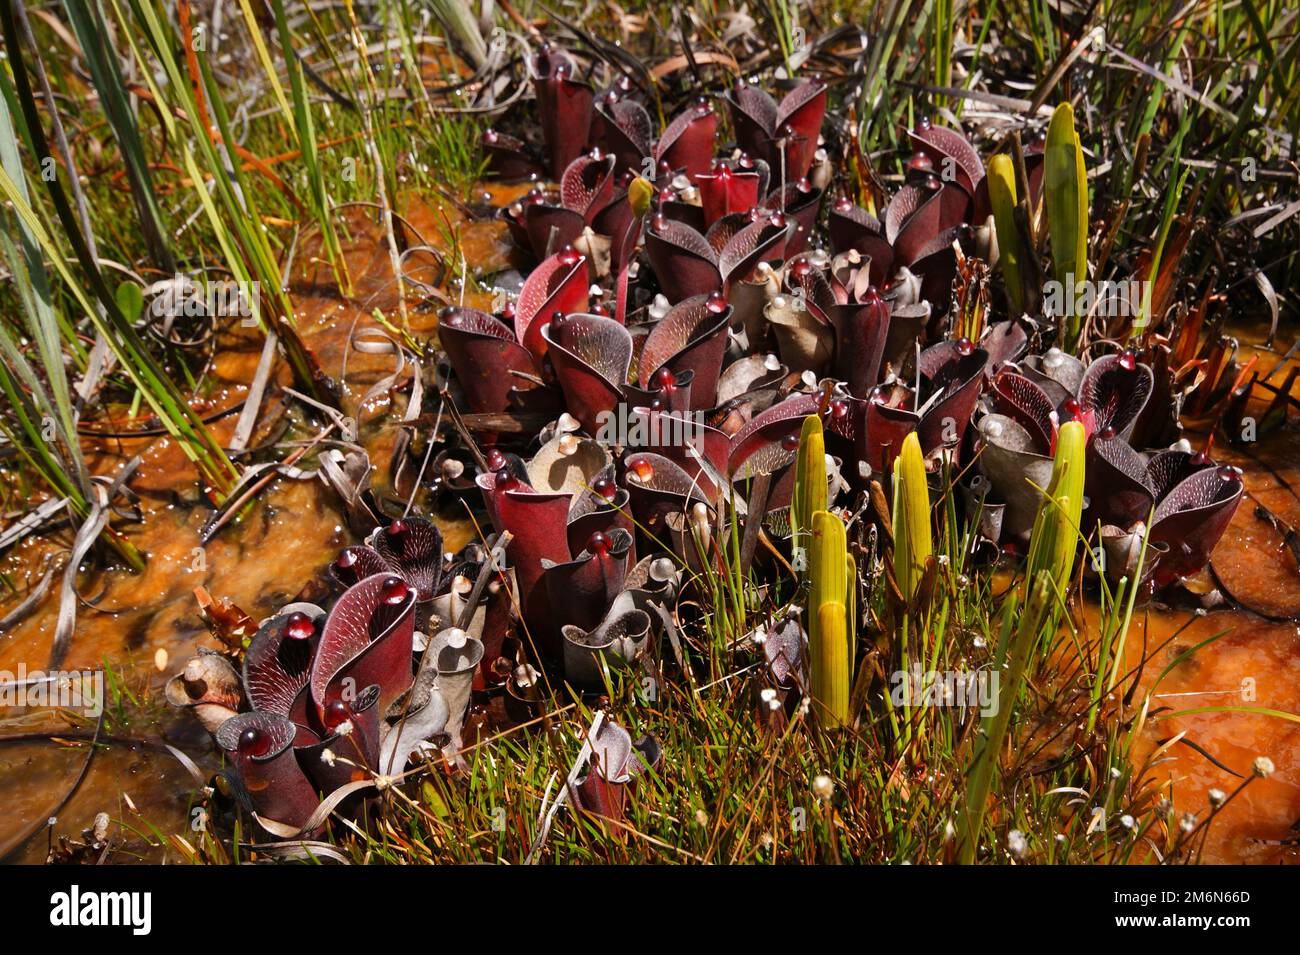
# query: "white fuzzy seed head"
823,787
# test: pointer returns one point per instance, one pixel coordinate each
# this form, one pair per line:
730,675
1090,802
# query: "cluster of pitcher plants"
804,374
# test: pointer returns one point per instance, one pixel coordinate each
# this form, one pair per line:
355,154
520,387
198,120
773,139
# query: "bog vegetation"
914,321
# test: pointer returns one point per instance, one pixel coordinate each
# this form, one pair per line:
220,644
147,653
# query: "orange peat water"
1253,665
131,622
293,530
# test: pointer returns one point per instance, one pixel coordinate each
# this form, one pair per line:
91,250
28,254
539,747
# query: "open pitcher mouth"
634,433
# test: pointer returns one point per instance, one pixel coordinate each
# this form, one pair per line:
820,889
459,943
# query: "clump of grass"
1002,778
452,152
1031,618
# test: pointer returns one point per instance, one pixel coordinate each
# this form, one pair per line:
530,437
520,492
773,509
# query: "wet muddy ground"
144,626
